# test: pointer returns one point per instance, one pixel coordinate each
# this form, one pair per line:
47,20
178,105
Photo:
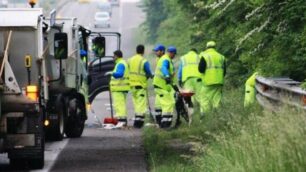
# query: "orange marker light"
32,3
32,92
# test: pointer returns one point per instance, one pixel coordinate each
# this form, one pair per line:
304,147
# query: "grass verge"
233,138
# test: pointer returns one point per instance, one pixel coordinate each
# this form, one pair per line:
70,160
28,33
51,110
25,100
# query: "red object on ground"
186,94
110,121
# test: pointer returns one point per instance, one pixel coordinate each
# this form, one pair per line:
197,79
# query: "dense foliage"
263,35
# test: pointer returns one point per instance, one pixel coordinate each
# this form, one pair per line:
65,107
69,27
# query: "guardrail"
273,93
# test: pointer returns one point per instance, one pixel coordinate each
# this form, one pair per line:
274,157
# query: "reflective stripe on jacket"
120,84
159,78
214,73
137,74
190,63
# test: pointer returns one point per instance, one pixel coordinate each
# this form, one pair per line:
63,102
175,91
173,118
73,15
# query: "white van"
105,7
114,2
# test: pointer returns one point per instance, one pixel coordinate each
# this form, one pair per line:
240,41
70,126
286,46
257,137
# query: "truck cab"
67,84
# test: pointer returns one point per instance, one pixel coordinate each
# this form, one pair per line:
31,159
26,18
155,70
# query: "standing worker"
119,86
189,76
250,91
159,52
139,73
212,66
163,80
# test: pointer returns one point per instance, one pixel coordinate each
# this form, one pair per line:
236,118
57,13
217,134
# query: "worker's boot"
122,122
138,122
166,121
158,116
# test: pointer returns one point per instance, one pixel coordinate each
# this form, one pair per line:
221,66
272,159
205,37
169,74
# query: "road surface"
99,149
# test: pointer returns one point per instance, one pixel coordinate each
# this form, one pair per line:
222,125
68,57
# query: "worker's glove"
176,88
168,80
150,76
108,73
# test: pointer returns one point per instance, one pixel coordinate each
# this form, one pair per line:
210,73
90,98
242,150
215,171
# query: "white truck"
42,77
24,89
66,112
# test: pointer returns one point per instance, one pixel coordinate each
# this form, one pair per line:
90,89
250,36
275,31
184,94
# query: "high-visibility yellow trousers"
194,85
157,105
210,97
139,97
120,104
249,96
166,100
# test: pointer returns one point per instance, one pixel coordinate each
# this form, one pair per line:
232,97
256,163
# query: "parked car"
105,7
3,3
102,19
114,2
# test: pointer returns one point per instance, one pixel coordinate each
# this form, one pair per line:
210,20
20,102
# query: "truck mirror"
99,46
60,46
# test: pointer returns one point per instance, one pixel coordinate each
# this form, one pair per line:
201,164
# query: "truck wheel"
75,122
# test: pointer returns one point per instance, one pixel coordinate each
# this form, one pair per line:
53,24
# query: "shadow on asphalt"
103,150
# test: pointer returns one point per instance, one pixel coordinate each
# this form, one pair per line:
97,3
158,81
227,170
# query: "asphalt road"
100,149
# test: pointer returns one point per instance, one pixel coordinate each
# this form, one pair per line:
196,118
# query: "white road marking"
52,151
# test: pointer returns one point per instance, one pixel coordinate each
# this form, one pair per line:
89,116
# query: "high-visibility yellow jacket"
137,74
120,84
250,92
190,63
159,78
214,72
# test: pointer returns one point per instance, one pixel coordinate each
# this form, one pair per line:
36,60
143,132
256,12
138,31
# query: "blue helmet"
172,49
159,47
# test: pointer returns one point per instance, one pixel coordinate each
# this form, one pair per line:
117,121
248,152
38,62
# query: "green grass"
234,139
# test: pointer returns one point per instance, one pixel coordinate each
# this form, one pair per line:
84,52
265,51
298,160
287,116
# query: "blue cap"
159,47
172,49
83,53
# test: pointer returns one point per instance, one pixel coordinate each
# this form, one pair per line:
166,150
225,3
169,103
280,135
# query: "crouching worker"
250,92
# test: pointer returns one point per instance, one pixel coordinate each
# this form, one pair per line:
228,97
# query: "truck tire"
75,122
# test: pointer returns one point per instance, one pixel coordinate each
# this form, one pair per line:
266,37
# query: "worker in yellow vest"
159,50
212,66
119,86
189,76
163,81
250,91
139,73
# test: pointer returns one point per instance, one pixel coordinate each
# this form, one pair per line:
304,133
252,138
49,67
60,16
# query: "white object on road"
120,125
109,126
